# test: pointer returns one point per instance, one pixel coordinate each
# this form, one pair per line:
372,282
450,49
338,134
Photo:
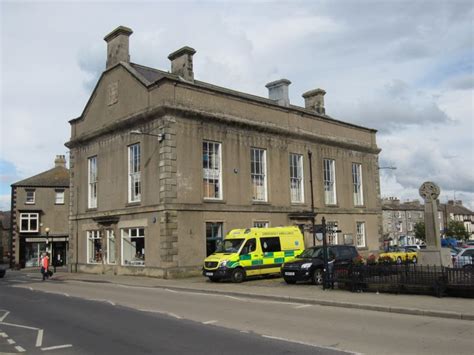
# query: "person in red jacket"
45,266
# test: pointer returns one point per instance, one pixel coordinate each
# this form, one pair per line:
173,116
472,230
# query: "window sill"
133,204
260,203
59,204
30,203
206,200
91,209
332,205
298,203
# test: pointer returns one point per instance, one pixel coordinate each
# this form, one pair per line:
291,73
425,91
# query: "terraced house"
163,166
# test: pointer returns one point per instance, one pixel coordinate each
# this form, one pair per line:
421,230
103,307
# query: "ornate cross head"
429,191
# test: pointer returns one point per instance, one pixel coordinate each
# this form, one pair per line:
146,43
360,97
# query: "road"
109,318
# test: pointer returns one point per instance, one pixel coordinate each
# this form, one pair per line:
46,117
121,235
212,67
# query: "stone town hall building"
163,165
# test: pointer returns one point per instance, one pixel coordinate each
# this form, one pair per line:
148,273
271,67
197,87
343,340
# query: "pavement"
276,289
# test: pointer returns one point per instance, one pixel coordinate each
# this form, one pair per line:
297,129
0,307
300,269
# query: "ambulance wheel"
238,275
317,278
290,282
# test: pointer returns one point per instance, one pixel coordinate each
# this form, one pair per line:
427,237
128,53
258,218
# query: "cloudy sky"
402,67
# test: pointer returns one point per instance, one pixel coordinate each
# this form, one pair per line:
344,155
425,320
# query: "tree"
457,230
420,231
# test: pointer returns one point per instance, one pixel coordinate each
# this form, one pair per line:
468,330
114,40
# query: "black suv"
308,266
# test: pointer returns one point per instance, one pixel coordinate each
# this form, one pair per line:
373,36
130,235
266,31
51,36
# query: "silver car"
465,258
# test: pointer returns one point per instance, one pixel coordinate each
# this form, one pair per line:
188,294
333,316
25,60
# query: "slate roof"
458,209
55,177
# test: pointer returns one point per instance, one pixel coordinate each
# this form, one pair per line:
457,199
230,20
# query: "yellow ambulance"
253,252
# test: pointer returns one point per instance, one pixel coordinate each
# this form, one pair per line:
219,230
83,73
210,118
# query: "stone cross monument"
433,254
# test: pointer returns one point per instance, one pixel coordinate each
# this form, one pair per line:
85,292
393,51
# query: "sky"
404,68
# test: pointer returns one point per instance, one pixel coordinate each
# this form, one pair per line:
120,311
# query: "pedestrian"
45,266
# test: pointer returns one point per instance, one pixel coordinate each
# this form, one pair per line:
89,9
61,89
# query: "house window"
212,170
400,227
296,178
29,222
261,224
213,235
134,176
360,234
258,172
357,184
110,246
92,179
408,214
59,197
133,247
332,235
410,226
329,172
30,197
94,247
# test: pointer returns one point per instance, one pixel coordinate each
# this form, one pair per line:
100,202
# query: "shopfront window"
213,236
133,247
110,247
94,247
33,253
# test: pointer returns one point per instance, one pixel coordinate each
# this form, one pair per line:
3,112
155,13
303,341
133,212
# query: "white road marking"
57,347
22,281
303,306
173,291
31,288
110,302
4,316
161,312
19,349
210,322
235,298
19,326
3,335
66,294
11,341
39,338
245,331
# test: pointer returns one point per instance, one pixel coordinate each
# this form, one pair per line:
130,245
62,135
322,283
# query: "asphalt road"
188,322
37,322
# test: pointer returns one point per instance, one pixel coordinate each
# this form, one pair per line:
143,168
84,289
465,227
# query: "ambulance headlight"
306,265
224,263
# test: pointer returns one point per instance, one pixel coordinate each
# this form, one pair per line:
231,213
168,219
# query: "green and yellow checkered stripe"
269,260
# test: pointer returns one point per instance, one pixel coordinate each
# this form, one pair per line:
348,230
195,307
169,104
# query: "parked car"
400,255
415,246
2,271
308,266
465,258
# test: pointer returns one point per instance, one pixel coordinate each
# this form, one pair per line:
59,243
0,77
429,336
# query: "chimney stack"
278,91
60,161
118,46
314,100
182,63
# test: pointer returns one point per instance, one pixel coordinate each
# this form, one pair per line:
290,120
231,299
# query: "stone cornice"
185,112
210,207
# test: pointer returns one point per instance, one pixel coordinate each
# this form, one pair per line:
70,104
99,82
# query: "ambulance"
253,252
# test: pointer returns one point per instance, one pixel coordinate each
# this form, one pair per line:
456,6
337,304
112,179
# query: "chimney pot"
118,46
314,100
278,91
182,63
60,161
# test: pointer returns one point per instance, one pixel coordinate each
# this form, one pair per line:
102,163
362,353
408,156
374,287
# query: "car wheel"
317,277
291,282
398,261
238,275
415,260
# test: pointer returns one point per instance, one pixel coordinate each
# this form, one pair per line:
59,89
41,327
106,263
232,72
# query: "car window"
469,252
249,247
270,244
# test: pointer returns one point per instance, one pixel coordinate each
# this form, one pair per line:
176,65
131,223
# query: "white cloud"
402,67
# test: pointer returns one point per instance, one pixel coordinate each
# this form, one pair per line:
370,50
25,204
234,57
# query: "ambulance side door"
250,257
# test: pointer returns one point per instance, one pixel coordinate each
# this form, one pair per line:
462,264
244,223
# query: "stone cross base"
435,257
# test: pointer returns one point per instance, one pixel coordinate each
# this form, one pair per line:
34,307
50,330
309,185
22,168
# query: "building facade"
4,236
454,210
399,221
163,166
40,216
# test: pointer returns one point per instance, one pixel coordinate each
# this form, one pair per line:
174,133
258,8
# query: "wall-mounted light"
160,136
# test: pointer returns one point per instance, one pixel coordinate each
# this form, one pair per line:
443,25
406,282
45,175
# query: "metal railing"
407,278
